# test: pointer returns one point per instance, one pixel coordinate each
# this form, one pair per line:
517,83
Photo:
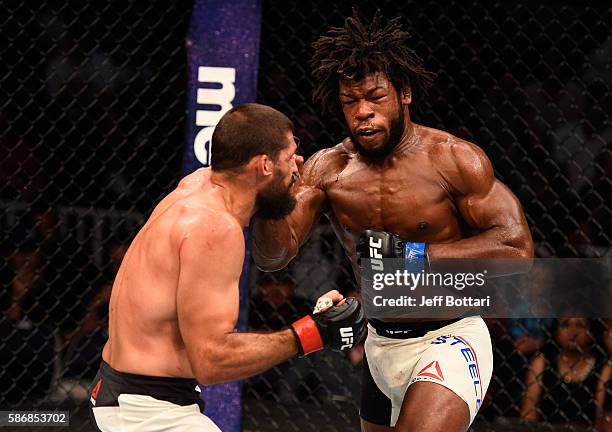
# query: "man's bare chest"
409,200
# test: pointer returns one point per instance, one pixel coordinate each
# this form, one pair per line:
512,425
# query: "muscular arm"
486,205
275,243
211,257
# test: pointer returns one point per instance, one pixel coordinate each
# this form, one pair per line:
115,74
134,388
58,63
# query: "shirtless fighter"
174,303
393,179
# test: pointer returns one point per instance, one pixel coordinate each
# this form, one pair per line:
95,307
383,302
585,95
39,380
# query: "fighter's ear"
264,165
406,95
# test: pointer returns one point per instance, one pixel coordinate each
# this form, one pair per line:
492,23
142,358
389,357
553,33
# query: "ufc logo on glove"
346,335
375,246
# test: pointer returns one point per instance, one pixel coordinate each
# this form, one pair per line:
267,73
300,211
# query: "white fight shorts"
456,354
123,402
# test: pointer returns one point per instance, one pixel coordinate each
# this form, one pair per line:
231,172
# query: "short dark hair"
359,48
246,131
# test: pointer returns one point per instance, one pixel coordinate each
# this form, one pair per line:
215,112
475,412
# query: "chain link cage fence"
91,124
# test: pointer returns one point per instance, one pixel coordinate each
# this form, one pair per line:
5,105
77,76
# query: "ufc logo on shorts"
376,260
346,335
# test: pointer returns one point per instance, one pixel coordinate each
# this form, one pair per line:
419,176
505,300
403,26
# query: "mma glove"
340,327
377,248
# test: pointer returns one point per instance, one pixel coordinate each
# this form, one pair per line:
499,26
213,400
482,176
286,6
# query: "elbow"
208,367
271,252
523,251
208,374
524,247
207,378
271,265
522,254
519,244
275,263
518,253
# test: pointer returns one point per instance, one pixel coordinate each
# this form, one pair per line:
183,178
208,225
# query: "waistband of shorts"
181,391
398,330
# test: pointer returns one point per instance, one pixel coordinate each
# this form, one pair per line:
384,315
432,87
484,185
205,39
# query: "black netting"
92,125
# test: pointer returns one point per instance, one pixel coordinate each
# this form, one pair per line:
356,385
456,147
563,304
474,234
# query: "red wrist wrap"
308,334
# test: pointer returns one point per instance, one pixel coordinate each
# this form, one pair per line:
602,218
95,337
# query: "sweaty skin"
433,187
174,302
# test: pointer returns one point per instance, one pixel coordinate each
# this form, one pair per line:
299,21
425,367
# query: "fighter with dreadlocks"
393,182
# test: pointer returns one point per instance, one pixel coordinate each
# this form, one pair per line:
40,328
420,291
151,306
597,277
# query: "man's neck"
238,195
409,141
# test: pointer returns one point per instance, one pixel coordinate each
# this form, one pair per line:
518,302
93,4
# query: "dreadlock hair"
358,49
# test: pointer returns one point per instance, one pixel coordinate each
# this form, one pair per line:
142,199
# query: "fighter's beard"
395,135
276,202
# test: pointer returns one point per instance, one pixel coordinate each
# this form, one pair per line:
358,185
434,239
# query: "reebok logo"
432,370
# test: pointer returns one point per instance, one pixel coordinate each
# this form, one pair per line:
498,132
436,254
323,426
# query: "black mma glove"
340,327
374,246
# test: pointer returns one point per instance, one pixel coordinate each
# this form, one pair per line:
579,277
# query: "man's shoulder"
445,149
462,164
327,162
205,223
334,154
